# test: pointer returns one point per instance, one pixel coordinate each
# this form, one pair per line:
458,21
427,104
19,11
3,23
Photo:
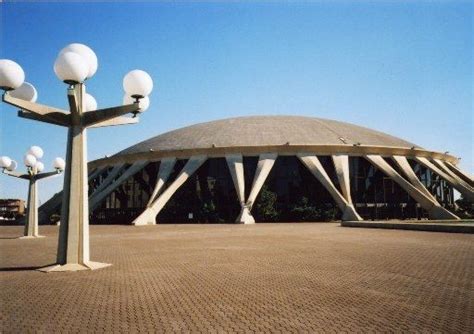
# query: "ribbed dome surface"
266,131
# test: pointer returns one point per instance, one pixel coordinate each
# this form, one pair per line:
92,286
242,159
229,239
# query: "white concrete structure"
267,138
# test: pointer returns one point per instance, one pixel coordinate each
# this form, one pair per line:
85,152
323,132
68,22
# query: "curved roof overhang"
214,152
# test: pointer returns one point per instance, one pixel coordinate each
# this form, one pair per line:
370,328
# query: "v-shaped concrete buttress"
464,174
341,165
108,179
93,174
448,171
465,191
405,167
264,166
435,211
314,166
236,168
164,172
148,216
97,197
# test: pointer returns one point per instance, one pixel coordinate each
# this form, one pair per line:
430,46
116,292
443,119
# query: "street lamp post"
33,174
75,64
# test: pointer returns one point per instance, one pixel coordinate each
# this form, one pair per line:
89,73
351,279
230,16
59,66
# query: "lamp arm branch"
120,120
47,118
47,174
30,106
37,111
16,174
97,116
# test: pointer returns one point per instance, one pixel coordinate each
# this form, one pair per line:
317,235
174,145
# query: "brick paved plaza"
235,278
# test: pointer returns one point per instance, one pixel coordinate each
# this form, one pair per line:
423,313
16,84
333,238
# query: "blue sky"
404,68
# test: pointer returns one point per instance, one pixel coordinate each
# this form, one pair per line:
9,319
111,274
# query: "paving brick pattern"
233,278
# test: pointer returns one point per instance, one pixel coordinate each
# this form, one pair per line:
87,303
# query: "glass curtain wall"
127,201
438,187
376,196
208,196
292,194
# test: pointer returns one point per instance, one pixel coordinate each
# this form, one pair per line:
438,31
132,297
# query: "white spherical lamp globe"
36,151
59,164
25,92
39,166
71,67
5,162
86,53
12,166
11,75
30,160
143,103
90,102
137,83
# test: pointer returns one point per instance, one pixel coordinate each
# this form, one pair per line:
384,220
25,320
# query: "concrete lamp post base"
31,237
74,267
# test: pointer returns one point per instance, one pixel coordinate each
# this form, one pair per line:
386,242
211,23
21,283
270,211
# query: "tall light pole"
33,174
75,64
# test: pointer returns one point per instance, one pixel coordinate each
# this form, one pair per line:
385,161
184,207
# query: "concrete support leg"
98,197
264,166
469,178
95,173
314,166
31,223
448,171
341,165
148,216
236,168
109,178
435,211
465,191
164,172
406,169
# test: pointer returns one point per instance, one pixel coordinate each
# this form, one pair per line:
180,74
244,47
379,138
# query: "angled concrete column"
236,168
435,211
148,216
404,165
109,178
465,191
164,172
314,166
96,173
462,173
448,171
111,185
264,166
341,165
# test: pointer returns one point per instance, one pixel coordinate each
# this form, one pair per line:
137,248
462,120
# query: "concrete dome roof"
265,131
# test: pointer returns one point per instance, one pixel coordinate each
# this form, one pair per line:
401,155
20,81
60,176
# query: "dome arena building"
272,168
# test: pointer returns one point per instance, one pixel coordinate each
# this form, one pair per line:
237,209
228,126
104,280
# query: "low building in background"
11,210
272,168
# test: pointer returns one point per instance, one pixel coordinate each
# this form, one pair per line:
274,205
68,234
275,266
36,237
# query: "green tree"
265,206
465,208
304,211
